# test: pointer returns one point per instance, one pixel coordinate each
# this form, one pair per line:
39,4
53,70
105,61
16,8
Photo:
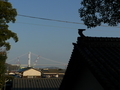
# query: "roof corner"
80,32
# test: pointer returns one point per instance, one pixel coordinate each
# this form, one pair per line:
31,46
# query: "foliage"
3,57
95,12
7,14
9,78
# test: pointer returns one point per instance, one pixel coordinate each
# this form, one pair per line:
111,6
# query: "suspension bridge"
30,63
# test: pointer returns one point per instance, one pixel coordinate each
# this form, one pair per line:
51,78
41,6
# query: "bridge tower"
29,59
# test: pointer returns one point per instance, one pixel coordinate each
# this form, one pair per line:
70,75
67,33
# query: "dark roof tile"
36,83
101,55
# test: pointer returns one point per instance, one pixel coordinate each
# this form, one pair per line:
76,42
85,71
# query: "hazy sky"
49,39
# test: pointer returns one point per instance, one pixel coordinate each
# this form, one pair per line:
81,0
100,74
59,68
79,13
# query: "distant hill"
10,67
52,67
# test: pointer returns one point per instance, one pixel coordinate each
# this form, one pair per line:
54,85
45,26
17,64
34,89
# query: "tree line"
7,15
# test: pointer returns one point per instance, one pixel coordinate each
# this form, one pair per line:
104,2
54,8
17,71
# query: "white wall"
31,72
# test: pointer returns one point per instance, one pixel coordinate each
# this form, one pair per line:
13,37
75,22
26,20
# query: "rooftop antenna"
29,59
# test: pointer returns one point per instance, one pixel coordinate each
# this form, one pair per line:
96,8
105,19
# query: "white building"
30,73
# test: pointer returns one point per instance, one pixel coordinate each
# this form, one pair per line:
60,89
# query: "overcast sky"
50,39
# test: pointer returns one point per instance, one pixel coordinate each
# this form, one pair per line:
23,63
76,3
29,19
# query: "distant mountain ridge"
52,67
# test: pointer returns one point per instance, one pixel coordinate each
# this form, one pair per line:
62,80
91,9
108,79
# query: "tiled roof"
101,55
25,69
36,83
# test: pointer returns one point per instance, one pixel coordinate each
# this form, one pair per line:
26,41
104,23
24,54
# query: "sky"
50,39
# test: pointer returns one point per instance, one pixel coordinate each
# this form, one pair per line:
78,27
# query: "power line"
59,20
49,19
46,25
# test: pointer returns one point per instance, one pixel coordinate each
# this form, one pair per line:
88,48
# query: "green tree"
95,12
3,58
7,15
